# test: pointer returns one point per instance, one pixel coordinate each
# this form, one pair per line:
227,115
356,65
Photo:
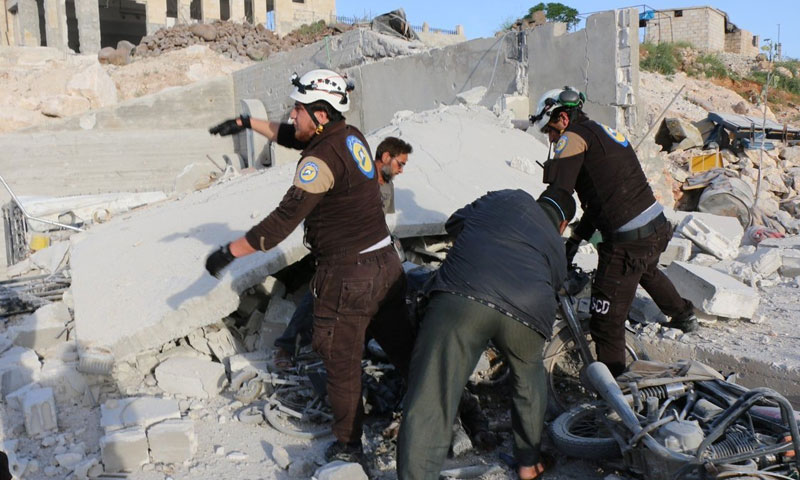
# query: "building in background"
706,28
85,26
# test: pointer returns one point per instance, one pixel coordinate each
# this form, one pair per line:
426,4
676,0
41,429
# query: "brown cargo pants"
355,295
620,268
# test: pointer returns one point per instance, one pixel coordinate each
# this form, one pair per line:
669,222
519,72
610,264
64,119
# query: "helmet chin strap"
319,127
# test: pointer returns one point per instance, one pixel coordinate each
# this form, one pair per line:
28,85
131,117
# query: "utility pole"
778,46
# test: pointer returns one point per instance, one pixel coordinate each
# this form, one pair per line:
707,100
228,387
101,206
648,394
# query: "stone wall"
742,42
703,27
601,60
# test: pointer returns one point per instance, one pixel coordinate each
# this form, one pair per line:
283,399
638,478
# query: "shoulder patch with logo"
615,135
308,173
361,155
561,144
313,176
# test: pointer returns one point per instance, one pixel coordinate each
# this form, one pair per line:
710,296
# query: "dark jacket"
507,254
345,219
599,164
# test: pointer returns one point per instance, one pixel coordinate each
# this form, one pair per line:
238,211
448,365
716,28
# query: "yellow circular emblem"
363,158
309,172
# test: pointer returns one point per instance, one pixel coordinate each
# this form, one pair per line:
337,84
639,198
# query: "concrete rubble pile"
238,41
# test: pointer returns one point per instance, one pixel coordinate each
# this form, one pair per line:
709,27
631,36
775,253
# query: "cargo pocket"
322,338
355,296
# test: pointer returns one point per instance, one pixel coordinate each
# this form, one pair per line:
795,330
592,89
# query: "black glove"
229,127
571,247
219,259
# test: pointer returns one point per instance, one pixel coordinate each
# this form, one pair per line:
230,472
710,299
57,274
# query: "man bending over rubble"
336,191
599,163
498,283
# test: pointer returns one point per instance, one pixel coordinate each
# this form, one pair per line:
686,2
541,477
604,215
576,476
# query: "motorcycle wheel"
581,433
562,364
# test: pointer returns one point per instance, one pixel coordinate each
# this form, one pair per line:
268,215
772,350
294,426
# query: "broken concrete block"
172,441
524,164
684,133
764,261
223,344
42,329
472,96
85,469
518,105
706,238
713,292
279,311
39,408
302,469
64,378
191,376
68,460
142,411
728,227
738,270
678,249
787,242
15,399
339,470
790,262
124,450
19,366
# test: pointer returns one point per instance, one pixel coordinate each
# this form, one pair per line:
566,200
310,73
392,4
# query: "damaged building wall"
416,82
601,60
144,143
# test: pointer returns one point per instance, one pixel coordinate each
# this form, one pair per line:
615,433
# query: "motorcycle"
682,421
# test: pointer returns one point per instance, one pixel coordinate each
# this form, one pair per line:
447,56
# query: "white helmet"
568,97
325,85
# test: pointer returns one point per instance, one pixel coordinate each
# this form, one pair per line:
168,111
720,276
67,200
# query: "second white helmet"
552,100
325,85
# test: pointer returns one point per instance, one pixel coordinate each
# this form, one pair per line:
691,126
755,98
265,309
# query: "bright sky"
482,18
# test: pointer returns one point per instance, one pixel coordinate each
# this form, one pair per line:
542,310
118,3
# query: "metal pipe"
29,217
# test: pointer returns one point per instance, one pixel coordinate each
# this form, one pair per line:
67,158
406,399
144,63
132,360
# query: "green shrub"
712,66
661,58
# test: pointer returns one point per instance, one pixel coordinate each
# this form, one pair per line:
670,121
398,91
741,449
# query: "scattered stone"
140,411
524,164
50,471
124,450
461,442
790,263
39,408
219,450
63,377
172,441
204,31
281,457
191,376
339,470
672,334
765,261
69,460
223,344
237,456
684,133
713,292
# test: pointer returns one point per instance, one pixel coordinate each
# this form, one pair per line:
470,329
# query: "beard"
386,173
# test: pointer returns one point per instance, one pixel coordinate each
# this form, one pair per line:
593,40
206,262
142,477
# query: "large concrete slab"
139,281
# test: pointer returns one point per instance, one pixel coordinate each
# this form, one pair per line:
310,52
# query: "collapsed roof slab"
139,281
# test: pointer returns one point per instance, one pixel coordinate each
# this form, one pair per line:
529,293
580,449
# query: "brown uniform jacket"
335,190
600,165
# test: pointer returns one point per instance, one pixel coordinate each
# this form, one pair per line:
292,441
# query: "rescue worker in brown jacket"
335,190
599,164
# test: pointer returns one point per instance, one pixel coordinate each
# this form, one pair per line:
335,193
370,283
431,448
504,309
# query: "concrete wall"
703,27
417,82
290,14
601,60
742,42
26,24
196,105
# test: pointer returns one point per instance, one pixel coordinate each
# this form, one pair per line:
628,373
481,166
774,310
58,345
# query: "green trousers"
452,337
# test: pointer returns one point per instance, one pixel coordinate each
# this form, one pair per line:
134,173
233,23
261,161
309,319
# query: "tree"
556,12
